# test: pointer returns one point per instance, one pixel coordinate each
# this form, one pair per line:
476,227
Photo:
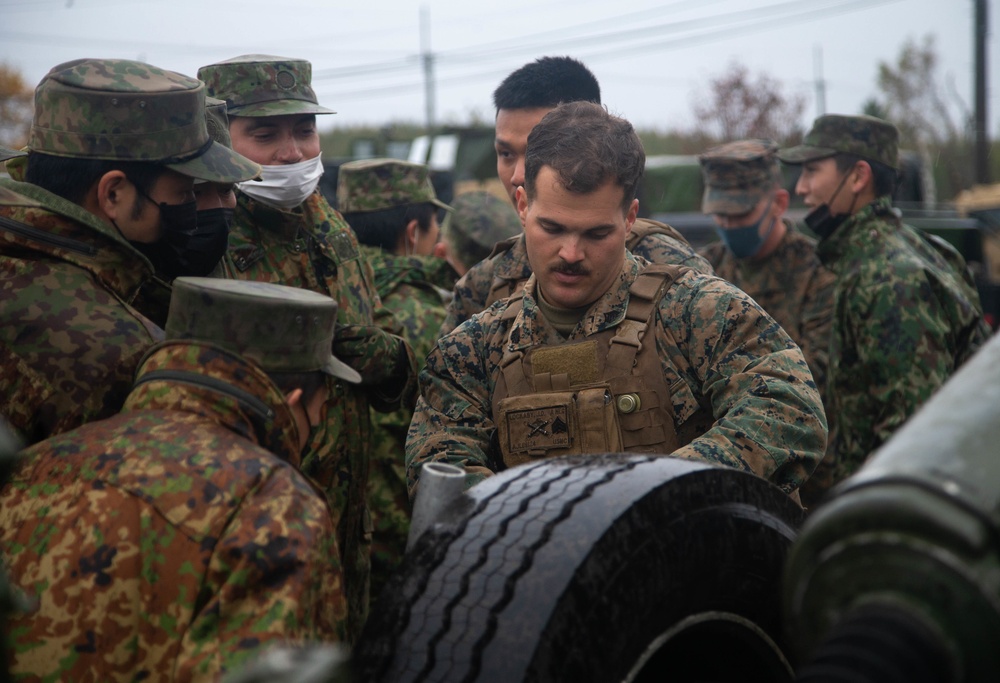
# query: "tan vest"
501,288
604,394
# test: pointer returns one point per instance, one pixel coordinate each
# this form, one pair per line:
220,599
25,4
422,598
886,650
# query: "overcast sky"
651,58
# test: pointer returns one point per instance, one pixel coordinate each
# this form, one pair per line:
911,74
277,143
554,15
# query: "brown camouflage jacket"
171,541
313,248
69,338
718,349
508,267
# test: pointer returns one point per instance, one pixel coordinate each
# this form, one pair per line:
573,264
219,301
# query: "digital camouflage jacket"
906,316
719,351
69,338
313,248
653,241
171,541
792,286
411,288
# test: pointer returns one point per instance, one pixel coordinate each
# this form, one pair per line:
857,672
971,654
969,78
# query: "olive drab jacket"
70,340
175,540
719,352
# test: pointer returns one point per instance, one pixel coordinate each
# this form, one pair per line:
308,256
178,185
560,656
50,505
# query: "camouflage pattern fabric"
473,289
405,286
69,340
130,111
263,85
718,350
377,184
312,247
174,540
867,137
478,220
906,316
737,175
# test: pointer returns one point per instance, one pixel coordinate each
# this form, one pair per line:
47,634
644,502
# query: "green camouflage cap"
282,329
376,184
217,122
478,221
738,175
263,85
6,153
867,137
122,110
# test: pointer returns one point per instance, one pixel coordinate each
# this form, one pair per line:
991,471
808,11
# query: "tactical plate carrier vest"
606,393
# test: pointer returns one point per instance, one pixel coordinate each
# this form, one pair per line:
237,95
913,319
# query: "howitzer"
896,576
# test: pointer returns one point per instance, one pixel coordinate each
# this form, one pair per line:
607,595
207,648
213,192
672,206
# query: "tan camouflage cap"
122,110
738,175
376,184
867,137
478,221
263,85
282,329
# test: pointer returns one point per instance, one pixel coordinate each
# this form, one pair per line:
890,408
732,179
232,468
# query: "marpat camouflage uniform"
172,541
508,268
717,347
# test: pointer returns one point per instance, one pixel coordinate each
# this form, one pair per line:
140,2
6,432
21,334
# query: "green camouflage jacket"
69,338
511,266
717,347
793,287
906,316
313,248
410,287
171,541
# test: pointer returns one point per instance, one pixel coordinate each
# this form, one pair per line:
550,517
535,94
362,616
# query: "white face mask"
285,185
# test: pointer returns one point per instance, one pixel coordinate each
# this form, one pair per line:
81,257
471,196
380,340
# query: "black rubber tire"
596,568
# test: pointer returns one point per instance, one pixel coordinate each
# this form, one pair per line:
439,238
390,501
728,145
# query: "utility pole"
820,83
982,142
427,58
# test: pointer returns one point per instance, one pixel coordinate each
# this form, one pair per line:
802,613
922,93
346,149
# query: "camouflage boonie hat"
217,122
282,329
263,85
867,137
376,184
738,175
478,221
122,110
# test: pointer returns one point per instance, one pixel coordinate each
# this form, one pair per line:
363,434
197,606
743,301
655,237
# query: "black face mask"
821,221
189,247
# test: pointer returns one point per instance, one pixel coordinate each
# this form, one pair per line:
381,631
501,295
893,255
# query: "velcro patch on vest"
576,361
540,429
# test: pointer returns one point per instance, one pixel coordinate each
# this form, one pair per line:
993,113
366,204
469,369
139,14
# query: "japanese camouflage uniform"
789,283
507,268
311,246
176,539
477,222
906,310
732,388
69,338
411,287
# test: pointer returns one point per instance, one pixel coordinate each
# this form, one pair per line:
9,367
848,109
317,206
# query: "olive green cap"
478,221
867,137
376,184
737,175
282,329
263,85
122,110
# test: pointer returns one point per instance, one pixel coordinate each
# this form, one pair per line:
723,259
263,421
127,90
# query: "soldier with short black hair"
906,312
177,538
115,146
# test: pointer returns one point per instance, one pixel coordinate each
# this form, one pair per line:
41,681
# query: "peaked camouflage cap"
123,110
282,329
376,184
7,153
217,122
263,85
478,221
870,138
738,175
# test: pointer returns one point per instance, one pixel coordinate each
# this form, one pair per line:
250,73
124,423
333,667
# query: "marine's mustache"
570,269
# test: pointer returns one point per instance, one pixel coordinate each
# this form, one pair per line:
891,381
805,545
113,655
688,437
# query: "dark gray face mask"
746,241
821,221
189,249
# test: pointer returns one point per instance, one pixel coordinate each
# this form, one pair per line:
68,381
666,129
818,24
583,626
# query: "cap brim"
730,202
338,368
218,165
279,108
441,205
6,154
803,153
